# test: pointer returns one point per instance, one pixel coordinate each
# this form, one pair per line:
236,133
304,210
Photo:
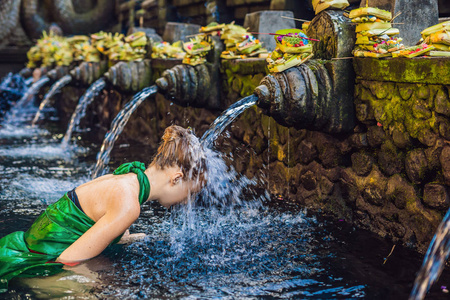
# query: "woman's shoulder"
110,192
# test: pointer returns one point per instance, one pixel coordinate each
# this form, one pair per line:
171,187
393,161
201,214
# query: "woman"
81,224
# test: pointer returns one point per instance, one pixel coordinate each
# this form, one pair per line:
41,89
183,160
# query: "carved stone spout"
58,72
196,86
88,72
189,86
130,76
304,97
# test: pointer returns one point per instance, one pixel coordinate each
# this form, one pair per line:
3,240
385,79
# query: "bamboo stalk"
301,20
398,14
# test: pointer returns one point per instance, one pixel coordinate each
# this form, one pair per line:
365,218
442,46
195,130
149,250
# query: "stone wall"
391,175
240,77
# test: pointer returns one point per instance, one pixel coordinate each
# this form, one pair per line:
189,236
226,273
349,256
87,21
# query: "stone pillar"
416,15
268,22
179,31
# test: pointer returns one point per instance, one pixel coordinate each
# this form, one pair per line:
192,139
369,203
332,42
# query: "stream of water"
80,110
434,261
226,118
116,129
19,112
56,87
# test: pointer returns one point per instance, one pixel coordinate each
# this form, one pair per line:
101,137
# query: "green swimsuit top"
138,168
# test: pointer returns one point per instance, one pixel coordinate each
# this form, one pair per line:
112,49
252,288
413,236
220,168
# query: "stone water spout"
130,76
196,86
88,72
317,95
58,72
305,97
189,86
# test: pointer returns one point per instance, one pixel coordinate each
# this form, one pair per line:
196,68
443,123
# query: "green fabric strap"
138,168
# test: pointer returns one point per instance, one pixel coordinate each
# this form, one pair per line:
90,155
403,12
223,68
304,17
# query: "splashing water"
56,87
434,260
29,81
241,253
80,110
226,118
18,113
117,126
12,88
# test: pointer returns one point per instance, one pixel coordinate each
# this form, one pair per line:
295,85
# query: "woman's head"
182,150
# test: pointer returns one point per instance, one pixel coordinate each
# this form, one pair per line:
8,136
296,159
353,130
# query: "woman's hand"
129,238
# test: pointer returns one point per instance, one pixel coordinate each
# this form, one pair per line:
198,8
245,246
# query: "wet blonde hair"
180,147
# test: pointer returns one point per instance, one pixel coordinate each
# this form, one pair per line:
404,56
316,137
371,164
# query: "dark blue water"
256,248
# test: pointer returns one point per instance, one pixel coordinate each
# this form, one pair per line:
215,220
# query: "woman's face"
178,192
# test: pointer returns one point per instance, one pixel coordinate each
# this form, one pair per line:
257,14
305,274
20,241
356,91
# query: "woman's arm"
100,235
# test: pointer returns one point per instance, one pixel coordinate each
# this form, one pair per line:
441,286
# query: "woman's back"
109,192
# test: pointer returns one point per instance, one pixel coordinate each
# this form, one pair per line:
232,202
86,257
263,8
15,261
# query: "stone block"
390,159
400,137
375,136
416,15
374,195
436,196
179,31
445,163
266,22
362,163
358,140
416,165
442,103
444,128
399,191
308,180
427,137
308,152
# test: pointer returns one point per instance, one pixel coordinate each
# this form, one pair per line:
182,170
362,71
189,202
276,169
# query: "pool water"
264,249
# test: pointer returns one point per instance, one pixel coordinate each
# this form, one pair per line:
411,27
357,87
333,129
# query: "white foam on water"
11,131
43,151
48,189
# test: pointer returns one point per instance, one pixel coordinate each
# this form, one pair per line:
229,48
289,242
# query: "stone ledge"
246,66
160,63
428,70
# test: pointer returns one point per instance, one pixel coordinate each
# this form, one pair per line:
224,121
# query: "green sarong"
32,253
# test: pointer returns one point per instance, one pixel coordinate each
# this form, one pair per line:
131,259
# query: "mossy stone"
400,137
390,160
442,103
420,70
399,191
405,90
362,112
445,163
427,137
381,90
421,112
444,128
423,91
